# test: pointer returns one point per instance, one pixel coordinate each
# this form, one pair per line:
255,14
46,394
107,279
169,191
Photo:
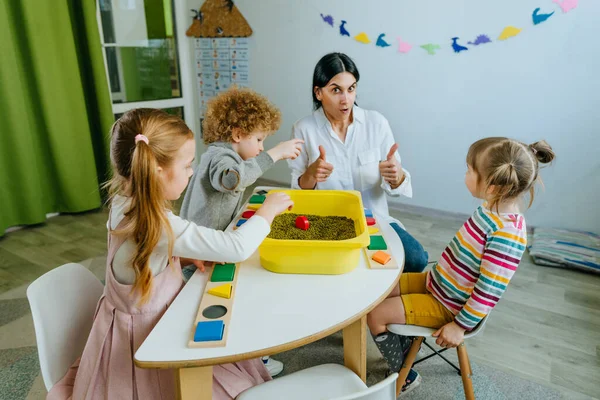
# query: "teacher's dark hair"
329,66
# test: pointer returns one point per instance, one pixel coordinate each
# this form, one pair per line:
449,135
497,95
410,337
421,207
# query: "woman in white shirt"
349,148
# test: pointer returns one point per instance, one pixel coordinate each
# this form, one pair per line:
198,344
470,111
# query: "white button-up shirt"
355,161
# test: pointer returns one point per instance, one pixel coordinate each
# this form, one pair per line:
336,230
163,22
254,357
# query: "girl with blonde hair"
152,154
477,265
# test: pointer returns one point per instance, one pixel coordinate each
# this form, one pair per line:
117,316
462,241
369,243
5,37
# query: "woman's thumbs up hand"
320,170
390,168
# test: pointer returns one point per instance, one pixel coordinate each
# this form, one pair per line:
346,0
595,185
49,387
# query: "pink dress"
106,369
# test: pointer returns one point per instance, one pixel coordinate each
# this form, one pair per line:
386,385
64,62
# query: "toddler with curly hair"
236,124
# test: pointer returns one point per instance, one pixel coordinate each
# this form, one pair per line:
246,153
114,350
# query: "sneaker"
407,342
412,381
275,367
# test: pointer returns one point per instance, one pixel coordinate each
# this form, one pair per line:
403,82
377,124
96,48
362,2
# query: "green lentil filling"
321,228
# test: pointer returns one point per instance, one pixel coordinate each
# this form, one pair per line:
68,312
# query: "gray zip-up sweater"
214,194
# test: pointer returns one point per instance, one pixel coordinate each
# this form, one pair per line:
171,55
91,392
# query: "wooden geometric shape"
257,199
207,331
377,243
223,273
381,257
221,291
302,223
247,214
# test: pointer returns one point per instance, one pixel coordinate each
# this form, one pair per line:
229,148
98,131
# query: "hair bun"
542,151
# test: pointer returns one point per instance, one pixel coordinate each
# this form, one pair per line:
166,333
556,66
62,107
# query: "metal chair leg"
439,353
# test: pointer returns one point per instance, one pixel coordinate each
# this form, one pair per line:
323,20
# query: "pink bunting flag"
403,47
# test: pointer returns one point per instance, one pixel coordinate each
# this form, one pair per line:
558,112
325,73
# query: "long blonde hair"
135,175
507,168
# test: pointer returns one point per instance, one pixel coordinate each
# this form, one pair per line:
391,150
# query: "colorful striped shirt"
475,268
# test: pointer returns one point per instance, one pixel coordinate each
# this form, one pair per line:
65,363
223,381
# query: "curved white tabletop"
271,312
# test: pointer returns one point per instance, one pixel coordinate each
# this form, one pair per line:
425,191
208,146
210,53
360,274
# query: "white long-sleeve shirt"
191,241
355,161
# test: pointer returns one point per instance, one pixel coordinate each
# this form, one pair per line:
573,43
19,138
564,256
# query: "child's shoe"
412,381
275,367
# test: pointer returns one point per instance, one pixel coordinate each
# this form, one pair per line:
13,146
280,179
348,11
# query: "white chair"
323,382
421,332
63,302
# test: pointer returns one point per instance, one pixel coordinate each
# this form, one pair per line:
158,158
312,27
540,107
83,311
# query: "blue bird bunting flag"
539,18
343,30
457,47
381,42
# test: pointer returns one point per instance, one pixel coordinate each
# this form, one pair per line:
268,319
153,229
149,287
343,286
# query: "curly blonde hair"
242,109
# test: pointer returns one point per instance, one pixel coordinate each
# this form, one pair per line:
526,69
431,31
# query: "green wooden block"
377,243
223,273
257,199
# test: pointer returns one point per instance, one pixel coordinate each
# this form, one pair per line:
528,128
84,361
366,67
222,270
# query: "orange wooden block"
381,257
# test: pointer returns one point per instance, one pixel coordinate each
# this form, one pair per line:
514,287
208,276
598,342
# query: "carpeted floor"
439,380
20,377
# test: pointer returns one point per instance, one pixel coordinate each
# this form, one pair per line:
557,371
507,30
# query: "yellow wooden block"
253,206
373,230
221,291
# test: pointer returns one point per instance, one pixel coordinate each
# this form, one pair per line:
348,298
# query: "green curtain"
55,110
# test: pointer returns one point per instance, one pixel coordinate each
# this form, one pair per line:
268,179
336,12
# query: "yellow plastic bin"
327,257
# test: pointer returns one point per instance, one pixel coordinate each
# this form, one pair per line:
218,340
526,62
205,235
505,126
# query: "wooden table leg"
355,347
194,383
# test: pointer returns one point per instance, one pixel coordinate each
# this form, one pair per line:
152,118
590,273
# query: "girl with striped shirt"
478,263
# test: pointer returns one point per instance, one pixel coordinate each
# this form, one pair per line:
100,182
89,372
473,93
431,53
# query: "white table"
271,313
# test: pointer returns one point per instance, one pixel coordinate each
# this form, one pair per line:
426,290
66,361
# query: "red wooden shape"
247,214
302,223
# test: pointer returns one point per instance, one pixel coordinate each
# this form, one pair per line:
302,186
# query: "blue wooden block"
241,222
208,331
368,213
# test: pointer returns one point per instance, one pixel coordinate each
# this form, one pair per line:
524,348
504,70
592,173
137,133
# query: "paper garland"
431,48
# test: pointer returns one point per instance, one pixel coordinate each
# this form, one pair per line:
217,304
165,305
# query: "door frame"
186,73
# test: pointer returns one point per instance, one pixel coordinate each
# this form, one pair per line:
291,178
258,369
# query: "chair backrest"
479,327
63,302
384,390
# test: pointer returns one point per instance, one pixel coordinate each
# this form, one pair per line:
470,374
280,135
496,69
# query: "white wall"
544,83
